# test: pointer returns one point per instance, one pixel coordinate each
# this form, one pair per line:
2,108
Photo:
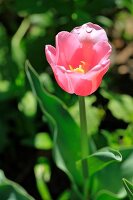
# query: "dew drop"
89,30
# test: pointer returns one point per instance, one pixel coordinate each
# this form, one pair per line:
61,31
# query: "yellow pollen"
79,69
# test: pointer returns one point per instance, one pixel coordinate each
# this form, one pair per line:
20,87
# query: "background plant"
26,139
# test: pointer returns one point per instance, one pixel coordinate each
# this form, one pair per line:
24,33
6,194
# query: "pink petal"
102,51
50,52
63,80
96,54
68,49
88,83
96,75
81,84
90,33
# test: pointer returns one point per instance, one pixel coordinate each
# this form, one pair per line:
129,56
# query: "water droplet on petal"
89,30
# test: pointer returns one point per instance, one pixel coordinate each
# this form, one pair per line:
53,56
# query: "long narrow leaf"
66,131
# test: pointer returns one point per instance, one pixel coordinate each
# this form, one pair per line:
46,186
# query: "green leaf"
10,190
105,21
110,178
120,105
100,160
66,132
65,195
106,195
43,141
114,140
42,174
129,188
45,78
18,52
125,4
28,104
8,89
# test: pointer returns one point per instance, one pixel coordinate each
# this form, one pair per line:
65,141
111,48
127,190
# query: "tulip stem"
84,144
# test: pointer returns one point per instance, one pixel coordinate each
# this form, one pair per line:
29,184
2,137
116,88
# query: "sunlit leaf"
120,105
66,132
105,21
43,20
119,137
11,190
129,188
4,86
65,195
28,104
110,178
100,160
42,174
43,141
18,51
125,4
47,82
106,195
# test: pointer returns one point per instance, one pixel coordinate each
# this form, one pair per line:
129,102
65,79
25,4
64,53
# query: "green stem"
84,144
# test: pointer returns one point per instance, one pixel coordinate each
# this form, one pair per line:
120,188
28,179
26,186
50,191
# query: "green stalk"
84,144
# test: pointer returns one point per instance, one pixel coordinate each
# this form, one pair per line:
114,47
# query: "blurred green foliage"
25,27
11,190
129,188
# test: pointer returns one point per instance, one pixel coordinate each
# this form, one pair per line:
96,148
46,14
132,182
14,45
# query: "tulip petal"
96,75
63,80
68,49
98,33
96,54
81,84
50,52
90,33
88,83
102,51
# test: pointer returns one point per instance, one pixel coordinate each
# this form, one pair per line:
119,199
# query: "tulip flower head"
80,58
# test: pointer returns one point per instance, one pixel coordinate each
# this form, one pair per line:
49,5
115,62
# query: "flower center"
79,69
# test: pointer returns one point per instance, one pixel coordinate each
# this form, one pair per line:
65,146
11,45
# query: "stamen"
71,68
80,68
82,63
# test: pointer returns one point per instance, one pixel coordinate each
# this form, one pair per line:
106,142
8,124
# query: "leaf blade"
101,159
129,188
67,143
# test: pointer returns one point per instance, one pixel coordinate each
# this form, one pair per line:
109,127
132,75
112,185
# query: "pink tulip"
80,59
